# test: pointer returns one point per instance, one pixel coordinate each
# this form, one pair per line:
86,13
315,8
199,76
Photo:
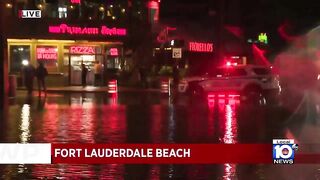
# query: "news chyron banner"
280,152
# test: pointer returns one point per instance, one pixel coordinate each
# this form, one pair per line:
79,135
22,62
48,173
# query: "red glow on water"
114,125
114,99
211,100
226,98
229,136
158,120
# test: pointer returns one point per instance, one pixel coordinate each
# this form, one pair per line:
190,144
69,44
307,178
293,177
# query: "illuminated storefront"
64,54
191,52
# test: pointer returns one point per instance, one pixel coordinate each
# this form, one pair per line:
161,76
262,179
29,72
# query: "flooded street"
139,118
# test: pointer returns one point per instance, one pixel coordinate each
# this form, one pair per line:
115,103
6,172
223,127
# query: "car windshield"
220,72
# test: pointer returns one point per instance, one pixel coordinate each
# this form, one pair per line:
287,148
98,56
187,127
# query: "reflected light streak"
229,171
171,171
171,124
114,124
25,123
113,100
229,136
154,172
87,125
156,117
112,171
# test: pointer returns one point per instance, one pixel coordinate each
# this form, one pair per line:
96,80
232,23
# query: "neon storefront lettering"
76,30
75,1
114,52
200,47
46,53
82,50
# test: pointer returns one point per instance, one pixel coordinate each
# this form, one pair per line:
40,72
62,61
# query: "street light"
25,62
8,5
101,8
40,6
172,43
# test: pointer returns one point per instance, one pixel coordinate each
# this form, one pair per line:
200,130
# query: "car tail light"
222,98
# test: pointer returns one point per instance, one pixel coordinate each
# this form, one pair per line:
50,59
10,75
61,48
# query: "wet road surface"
145,118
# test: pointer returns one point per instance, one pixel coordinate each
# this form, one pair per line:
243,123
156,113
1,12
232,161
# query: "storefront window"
49,56
19,56
113,61
78,54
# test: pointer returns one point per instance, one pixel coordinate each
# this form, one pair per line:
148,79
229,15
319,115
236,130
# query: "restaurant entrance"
63,59
87,55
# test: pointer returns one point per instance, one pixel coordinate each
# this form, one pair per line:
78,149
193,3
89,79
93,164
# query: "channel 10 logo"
283,151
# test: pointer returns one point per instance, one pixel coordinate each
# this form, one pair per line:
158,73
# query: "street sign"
176,53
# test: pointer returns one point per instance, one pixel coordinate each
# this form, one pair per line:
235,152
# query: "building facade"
71,32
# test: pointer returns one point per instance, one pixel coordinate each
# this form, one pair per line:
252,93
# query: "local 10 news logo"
283,151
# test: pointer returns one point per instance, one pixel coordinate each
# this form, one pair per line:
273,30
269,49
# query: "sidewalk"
93,89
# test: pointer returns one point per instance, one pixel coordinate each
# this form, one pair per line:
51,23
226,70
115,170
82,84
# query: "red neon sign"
75,1
153,5
114,52
46,53
82,50
76,30
200,47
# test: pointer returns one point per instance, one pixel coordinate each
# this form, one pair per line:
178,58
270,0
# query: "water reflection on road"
134,118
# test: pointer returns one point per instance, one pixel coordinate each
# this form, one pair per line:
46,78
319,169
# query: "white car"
246,80
185,83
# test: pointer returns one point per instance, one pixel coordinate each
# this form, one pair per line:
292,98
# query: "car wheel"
253,94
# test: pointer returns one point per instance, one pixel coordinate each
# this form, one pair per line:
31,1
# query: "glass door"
75,68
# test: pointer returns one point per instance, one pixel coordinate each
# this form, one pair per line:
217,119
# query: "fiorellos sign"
200,47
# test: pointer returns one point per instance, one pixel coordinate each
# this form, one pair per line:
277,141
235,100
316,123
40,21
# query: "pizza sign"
82,50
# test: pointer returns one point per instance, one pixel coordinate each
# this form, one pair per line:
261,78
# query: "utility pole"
220,29
3,61
2,88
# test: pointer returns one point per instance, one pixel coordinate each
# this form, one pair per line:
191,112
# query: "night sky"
253,16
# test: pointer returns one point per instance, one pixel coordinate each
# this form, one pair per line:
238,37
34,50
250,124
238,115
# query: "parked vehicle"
248,81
